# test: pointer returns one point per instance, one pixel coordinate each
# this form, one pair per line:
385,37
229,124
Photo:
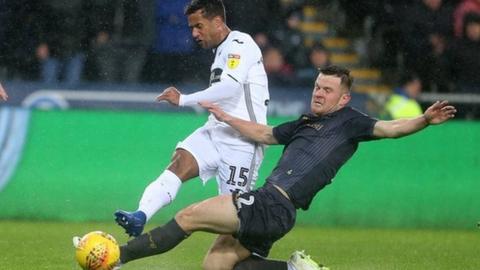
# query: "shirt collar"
221,42
311,116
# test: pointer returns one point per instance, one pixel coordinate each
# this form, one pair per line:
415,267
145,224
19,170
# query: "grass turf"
47,245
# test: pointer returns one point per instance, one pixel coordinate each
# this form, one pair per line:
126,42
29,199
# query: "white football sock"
159,193
290,266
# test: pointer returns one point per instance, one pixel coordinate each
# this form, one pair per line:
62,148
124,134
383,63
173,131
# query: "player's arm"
437,113
254,131
223,89
3,93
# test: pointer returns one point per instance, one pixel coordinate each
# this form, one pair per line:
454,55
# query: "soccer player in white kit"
238,84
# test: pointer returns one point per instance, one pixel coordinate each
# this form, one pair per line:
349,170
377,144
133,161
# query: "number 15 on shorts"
238,178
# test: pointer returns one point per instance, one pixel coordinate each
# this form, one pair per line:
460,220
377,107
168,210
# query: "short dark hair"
209,8
318,46
407,77
344,74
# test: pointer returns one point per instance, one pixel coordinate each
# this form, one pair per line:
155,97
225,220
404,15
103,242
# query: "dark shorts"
265,216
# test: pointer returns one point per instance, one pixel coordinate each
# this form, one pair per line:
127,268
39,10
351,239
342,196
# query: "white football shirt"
238,84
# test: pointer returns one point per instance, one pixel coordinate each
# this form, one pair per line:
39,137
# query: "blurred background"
417,51
81,135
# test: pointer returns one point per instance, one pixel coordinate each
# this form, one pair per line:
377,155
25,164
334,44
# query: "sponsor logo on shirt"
238,41
215,75
233,60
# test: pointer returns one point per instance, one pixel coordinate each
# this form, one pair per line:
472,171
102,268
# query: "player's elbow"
268,139
266,136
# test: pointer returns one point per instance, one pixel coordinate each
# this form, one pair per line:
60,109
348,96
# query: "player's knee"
208,263
211,259
223,254
187,218
216,262
184,165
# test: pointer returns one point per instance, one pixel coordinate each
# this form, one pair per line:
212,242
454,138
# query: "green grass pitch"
47,245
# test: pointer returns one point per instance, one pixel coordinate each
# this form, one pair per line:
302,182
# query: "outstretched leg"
215,215
159,193
156,241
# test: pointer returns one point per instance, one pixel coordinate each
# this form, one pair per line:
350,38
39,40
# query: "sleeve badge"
233,60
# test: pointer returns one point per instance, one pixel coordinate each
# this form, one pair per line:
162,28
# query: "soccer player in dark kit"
317,145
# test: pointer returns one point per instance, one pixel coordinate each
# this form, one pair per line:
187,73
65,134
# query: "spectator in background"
279,72
4,18
465,54
384,47
291,39
120,38
466,6
18,39
253,16
438,78
262,40
174,56
427,30
355,14
259,18
318,57
61,41
3,93
403,101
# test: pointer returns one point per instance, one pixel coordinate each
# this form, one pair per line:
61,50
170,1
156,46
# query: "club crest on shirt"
233,60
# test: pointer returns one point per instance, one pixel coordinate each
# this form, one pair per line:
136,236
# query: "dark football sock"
156,241
253,262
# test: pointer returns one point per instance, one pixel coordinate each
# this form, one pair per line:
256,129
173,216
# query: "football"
96,251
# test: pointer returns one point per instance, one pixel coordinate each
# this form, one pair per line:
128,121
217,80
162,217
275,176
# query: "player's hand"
216,111
439,112
170,94
3,93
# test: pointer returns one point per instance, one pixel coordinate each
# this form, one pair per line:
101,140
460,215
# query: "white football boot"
300,261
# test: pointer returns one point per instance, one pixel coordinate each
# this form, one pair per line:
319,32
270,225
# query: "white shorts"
234,168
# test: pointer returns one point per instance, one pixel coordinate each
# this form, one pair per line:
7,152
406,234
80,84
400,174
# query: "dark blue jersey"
315,149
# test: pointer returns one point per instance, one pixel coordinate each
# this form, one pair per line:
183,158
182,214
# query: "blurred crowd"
437,39
149,40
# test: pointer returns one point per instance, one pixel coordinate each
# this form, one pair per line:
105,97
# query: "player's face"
328,95
204,31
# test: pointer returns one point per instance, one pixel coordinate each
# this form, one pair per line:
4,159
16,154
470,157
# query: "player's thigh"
216,215
224,253
238,169
203,156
